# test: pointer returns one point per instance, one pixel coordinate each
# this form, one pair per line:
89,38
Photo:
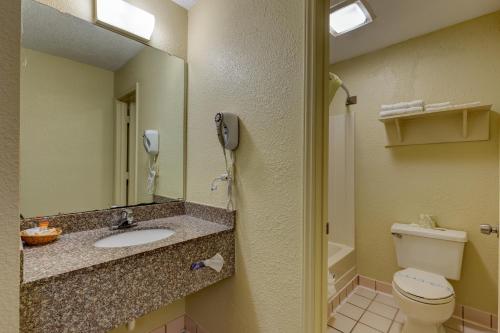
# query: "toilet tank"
438,251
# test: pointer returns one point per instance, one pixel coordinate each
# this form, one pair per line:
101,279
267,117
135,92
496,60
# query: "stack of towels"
419,106
402,108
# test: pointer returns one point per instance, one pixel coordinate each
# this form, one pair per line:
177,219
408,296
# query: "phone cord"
229,171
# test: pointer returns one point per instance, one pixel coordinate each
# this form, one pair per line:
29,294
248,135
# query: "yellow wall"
156,319
457,182
170,32
10,16
247,58
162,80
66,135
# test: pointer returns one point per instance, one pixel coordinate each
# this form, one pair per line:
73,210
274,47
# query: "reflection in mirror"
88,96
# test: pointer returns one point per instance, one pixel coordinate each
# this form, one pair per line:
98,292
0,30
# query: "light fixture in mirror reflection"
88,95
125,17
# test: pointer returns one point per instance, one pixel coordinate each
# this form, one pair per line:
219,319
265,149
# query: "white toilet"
421,290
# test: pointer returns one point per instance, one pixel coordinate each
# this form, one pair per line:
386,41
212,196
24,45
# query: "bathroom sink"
133,238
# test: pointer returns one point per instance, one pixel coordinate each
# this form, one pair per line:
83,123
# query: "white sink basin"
133,238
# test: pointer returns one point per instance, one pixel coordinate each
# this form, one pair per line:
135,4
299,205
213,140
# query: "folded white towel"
437,105
403,105
401,111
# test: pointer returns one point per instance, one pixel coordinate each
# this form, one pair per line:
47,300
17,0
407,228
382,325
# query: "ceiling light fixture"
122,16
348,16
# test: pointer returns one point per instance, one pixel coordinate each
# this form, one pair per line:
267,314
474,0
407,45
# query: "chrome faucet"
126,220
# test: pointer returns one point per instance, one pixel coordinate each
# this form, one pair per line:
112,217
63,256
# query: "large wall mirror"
88,96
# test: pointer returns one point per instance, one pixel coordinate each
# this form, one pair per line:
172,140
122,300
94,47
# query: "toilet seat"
423,287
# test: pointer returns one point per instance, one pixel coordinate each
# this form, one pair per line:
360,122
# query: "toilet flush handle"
488,229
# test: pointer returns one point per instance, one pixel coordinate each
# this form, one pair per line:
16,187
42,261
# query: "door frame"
127,143
120,152
315,166
133,154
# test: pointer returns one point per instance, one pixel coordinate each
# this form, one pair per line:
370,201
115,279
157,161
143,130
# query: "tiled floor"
367,311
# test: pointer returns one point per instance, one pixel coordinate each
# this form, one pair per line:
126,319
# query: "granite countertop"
76,251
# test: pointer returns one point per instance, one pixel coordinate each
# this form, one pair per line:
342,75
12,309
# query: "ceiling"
400,20
47,30
50,31
186,3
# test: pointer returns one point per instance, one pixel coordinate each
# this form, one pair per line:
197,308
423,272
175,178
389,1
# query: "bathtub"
341,263
336,252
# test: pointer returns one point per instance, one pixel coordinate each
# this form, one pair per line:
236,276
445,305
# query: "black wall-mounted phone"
227,130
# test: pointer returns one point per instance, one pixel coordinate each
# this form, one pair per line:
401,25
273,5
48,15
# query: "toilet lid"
424,286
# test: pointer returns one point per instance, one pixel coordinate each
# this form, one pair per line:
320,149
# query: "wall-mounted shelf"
452,125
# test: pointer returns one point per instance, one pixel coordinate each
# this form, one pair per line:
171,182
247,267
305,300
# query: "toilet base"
422,317
412,326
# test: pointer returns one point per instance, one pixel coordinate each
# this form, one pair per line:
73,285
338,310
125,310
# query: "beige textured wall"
66,135
170,32
10,23
162,81
458,182
247,57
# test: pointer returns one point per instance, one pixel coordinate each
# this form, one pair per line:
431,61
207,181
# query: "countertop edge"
118,260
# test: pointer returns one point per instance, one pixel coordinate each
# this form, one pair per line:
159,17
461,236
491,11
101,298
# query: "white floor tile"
396,328
383,310
350,311
361,328
400,317
359,301
342,323
365,292
386,299
378,322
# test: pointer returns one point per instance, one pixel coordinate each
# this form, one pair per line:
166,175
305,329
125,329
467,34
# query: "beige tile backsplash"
183,324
